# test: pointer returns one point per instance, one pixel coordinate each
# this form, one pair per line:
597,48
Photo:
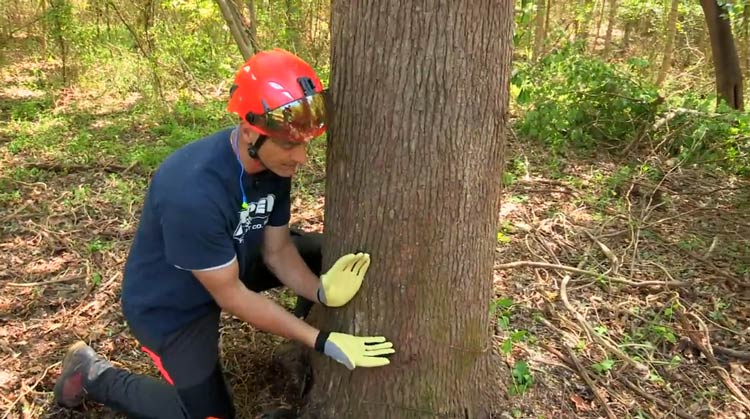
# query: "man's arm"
282,258
232,296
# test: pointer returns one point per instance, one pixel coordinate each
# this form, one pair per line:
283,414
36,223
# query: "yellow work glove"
354,351
342,281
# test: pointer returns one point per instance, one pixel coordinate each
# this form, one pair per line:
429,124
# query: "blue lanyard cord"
242,169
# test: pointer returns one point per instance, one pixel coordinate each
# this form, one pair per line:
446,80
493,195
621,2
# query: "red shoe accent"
157,361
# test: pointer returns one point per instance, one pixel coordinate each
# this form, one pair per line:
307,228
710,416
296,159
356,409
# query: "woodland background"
615,125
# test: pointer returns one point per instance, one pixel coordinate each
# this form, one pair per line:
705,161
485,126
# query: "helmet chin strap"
253,149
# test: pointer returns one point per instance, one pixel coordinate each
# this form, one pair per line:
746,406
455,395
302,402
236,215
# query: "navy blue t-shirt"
193,220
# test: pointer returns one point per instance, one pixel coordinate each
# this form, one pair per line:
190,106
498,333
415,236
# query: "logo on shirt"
254,217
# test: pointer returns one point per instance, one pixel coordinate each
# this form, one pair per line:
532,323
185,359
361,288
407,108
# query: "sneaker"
80,367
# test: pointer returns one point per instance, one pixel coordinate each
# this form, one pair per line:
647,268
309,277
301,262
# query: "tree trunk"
234,21
671,31
599,21
539,29
627,35
548,11
61,15
415,153
746,49
252,26
726,62
610,27
148,14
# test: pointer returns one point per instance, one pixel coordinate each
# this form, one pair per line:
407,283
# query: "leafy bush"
573,101
570,99
695,130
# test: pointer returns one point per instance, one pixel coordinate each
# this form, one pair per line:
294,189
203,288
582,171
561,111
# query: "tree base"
292,363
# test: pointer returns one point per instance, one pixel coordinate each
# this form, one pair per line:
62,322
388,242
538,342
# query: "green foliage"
522,378
502,309
523,30
697,131
571,99
604,366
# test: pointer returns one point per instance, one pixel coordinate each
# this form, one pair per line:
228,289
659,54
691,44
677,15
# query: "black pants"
193,385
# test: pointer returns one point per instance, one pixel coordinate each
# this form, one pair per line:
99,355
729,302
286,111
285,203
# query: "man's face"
283,156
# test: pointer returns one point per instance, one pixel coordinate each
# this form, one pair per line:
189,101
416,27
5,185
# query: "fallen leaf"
740,374
581,404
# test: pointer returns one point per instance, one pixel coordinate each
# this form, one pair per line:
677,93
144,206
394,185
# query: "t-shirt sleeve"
195,236
282,208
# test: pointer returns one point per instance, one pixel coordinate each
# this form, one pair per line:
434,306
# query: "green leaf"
604,366
506,346
524,96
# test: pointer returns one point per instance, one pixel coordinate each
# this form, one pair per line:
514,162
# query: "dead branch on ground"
598,338
619,280
666,406
594,389
703,343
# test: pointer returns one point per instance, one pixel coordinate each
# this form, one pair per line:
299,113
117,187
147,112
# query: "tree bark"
746,49
252,26
628,33
414,161
670,32
599,20
724,53
234,21
610,27
548,12
539,29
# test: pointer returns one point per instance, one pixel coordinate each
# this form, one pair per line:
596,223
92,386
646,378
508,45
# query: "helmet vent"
308,86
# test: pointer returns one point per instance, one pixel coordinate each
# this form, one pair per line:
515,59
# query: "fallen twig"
666,406
741,355
51,281
706,349
594,389
598,338
9,410
709,264
619,280
75,168
607,252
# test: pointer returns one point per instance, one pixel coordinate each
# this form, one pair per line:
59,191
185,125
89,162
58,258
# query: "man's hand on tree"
343,280
354,351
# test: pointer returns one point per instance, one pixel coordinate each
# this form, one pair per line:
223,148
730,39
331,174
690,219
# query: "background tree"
539,28
726,62
670,32
415,156
242,36
610,27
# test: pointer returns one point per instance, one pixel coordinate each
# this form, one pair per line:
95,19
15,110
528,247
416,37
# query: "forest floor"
622,290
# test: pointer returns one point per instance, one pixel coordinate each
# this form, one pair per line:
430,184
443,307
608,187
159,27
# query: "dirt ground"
624,294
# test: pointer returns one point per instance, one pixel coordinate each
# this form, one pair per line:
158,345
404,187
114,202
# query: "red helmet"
280,95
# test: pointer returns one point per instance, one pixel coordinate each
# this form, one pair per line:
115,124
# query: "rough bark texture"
726,62
420,93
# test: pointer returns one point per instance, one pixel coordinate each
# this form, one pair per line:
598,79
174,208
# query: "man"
213,233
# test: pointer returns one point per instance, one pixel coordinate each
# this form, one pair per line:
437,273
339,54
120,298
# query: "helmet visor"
300,120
